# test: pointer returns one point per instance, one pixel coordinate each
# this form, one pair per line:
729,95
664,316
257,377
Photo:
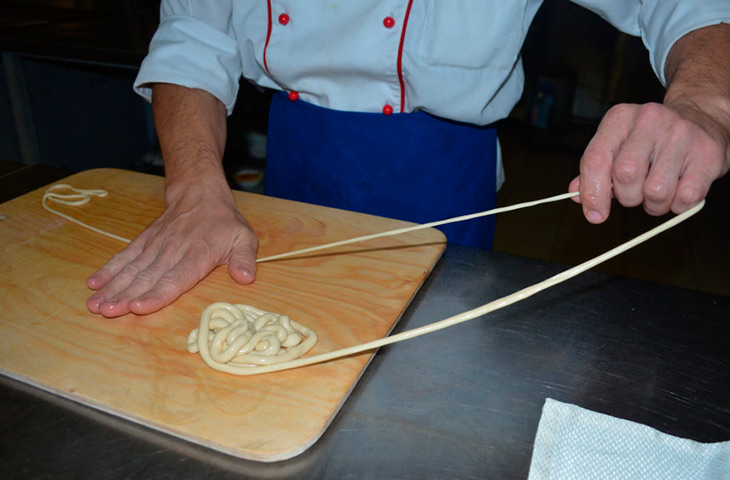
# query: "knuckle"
656,191
690,194
168,286
171,246
591,199
620,110
199,252
146,277
650,112
115,264
130,270
626,171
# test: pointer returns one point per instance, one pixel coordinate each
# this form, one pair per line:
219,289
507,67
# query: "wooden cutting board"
137,367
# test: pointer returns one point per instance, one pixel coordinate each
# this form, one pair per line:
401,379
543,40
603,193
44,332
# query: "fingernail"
243,275
139,303
96,299
247,272
594,216
241,270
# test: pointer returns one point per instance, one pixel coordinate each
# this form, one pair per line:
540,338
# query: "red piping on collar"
400,58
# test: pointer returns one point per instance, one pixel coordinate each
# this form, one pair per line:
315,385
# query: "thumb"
242,264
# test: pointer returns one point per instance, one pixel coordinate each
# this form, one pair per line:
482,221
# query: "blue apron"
413,167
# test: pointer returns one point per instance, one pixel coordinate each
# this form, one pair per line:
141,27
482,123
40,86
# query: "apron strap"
413,167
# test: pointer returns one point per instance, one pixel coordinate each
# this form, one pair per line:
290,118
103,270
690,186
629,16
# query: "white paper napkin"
575,443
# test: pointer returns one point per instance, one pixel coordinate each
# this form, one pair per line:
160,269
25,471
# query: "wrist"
715,107
198,185
712,115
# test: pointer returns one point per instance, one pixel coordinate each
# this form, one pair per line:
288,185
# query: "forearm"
699,63
191,127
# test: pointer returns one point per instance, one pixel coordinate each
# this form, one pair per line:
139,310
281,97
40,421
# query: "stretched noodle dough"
233,354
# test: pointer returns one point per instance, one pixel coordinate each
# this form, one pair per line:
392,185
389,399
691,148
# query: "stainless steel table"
461,403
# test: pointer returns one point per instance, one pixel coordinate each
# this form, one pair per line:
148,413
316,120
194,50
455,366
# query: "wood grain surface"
137,367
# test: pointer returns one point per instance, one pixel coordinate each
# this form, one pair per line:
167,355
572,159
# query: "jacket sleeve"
660,23
194,46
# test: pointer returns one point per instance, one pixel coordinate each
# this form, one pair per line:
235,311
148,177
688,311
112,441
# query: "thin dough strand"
399,231
240,333
80,197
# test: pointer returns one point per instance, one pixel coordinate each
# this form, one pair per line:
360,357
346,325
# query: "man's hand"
200,228
665,156
174,253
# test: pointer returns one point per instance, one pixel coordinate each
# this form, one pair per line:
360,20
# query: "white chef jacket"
455,59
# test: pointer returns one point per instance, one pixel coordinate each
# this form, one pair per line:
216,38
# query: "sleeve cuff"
666,22
192,54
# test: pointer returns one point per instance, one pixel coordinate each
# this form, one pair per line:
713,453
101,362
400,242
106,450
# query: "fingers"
116,275
702,166
138,277
173,283
630,168
170,257
147,290
105,274
659,187
596,165
648,155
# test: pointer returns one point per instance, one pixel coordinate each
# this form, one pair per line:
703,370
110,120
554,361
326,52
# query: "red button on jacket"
387,110
283,19
389,22
293,96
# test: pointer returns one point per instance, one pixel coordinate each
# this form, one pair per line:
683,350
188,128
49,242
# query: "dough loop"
76,197
238,338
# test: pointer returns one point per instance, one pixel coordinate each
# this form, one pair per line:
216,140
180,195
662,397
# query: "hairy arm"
200,228
665,156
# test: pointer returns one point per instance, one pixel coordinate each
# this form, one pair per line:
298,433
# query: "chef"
386,107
